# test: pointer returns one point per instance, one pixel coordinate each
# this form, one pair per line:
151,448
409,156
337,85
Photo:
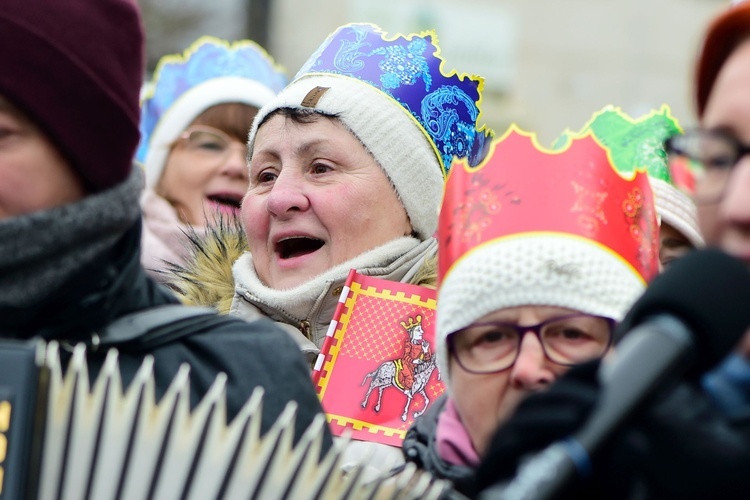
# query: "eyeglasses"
711,155
484,348
211,144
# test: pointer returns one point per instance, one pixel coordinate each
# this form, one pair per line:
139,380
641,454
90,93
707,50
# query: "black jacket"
679,449
115,284
675,448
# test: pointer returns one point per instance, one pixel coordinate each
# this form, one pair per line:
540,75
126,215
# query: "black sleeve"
684,449
677,448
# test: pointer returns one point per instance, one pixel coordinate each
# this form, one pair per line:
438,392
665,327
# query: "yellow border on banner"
359,425
369,291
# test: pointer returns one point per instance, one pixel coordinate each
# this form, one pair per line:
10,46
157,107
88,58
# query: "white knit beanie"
678,210
537,269
208,73
373,84
557,229
534,269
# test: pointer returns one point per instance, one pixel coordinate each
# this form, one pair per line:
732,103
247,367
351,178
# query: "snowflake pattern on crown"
207,58
408,69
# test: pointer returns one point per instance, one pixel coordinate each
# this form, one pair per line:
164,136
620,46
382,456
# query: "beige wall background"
549,64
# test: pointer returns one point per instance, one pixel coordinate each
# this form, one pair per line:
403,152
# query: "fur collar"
206,279
297,302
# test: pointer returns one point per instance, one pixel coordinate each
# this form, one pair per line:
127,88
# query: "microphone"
688,319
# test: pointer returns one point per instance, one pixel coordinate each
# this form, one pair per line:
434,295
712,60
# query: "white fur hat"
391,93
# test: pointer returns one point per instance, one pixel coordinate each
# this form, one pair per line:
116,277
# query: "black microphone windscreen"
709,291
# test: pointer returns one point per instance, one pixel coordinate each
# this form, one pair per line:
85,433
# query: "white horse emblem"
417,352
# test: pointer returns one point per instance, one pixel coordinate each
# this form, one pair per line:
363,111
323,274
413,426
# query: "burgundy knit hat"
75,67
724,34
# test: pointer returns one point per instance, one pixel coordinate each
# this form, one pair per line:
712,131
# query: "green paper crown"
633,143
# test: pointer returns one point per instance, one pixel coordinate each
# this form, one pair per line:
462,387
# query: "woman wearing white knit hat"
194,121
541,253
347,167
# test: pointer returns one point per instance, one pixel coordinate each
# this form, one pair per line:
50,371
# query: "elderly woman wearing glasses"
540,254
195,118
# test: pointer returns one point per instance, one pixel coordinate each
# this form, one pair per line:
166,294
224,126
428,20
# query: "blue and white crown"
409,69
206,60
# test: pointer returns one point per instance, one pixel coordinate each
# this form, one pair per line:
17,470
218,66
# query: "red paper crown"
522,187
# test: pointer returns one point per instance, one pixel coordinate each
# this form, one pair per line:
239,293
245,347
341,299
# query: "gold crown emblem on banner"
413,322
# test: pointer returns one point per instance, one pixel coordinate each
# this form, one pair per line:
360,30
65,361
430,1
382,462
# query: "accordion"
64,436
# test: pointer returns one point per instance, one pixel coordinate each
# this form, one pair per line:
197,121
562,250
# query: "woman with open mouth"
347,167
346,171
194,123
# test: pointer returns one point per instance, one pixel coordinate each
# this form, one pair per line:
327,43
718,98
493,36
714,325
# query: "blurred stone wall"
172,25
549,63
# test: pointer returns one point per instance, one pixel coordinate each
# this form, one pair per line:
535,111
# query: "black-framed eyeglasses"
710,155
570,340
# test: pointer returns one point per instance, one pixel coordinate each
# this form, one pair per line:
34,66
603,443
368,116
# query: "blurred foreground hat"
396,96
639,143
209,72
531,226
75,67
725,33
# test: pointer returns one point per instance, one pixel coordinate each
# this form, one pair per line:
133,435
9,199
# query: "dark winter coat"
115,284
680,449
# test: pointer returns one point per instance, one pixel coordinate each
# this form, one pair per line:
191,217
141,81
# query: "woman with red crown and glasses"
194,123
541,253
681,448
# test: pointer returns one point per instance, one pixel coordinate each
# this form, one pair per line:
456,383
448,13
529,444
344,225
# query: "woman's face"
33,174
484,401
317,198
206,172
726,223
672,245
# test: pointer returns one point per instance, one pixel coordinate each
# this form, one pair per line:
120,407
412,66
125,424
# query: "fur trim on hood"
427,274
205,278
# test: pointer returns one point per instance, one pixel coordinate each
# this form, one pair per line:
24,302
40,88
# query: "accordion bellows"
105,443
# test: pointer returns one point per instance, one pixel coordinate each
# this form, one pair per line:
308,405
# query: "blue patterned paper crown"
206,59
409,69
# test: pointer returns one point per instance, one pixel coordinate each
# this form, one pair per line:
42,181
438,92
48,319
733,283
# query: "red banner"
377,370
